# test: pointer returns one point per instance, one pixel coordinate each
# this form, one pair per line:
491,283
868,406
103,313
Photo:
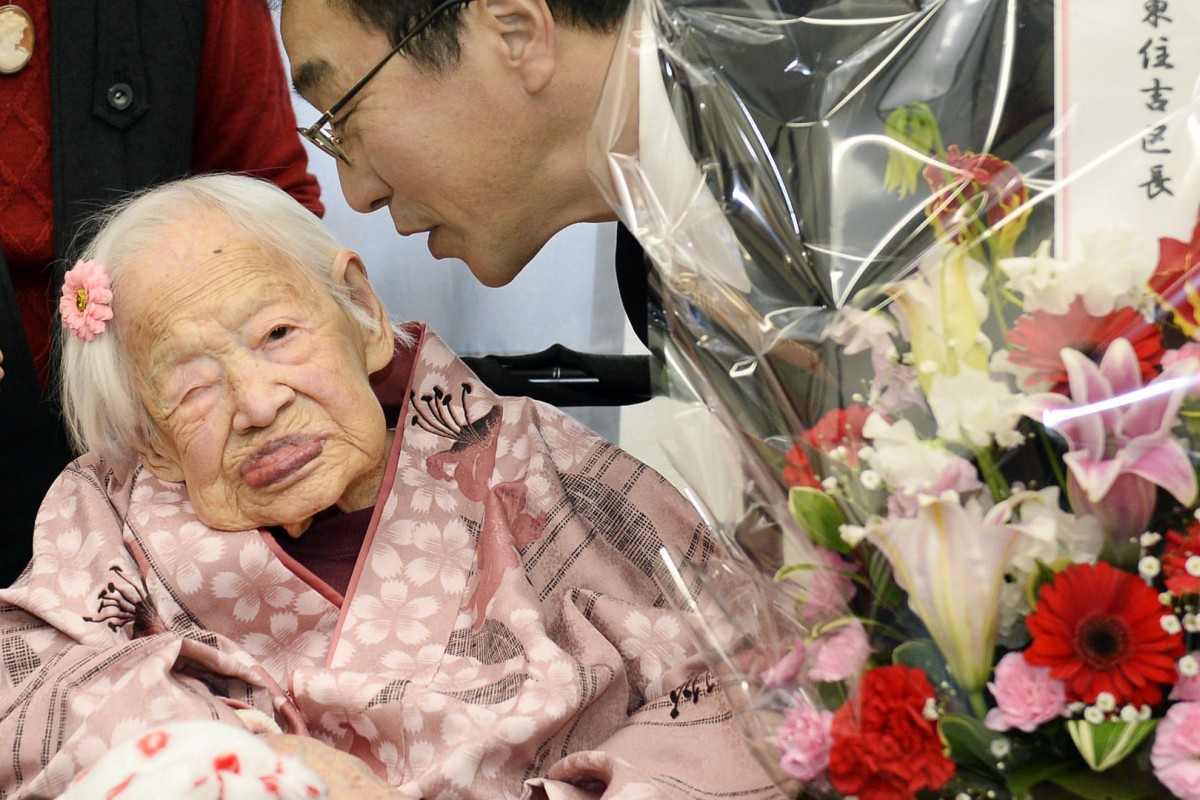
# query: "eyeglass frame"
331,144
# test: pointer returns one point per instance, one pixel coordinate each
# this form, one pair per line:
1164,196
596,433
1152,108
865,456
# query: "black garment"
33,446
122,95
633,275
563,377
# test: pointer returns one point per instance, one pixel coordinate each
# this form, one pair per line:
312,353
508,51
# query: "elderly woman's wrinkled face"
255,379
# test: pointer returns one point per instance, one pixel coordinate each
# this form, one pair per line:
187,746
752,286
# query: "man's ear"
379,345
161,464
525,33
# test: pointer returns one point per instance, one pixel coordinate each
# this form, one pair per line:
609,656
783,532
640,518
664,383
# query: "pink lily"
1119,434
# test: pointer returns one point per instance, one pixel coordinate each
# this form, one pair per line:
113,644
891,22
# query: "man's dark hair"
437,46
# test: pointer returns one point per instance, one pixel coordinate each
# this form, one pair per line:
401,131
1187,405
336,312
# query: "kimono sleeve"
80,670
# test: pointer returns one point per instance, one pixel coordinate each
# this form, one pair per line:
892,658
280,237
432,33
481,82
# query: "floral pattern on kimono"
502,635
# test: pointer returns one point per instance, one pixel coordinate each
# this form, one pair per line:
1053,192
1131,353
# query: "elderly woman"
293,515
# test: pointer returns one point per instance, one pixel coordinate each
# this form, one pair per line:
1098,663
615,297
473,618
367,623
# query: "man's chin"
435,243
492,267
493,273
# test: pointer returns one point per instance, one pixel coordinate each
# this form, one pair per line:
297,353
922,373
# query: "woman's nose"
259,398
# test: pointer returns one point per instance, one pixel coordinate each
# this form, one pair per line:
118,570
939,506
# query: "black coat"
122,96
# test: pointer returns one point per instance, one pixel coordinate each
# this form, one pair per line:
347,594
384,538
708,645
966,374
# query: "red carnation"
841,427
798,471
883,746
1039,337
1175,557
1099,629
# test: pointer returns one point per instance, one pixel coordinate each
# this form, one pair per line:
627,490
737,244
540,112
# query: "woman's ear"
524,31
379,345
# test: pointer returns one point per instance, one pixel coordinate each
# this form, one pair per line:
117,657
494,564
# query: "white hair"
103,410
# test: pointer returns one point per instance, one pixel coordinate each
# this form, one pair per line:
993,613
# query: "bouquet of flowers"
962,418
1018,477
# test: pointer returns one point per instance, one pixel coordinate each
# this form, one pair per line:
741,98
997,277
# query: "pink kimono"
502,635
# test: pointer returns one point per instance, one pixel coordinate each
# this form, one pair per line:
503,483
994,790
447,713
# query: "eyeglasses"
321,133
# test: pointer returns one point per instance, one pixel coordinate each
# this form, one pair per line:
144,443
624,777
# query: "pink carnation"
86,298
785,671
1176,752
829,588
840,654
1026,695
804,740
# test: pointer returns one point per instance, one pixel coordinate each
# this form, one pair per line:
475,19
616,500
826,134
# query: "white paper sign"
1128,119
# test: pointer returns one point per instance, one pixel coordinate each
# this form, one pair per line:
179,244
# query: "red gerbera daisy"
1038,338
1099,629
1175,557
839,427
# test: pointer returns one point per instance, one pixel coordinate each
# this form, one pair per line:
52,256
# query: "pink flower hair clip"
86,300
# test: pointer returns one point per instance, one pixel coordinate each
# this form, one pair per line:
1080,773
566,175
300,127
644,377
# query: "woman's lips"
279,458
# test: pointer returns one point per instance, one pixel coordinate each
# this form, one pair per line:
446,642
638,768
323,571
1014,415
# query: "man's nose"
259,396
364,190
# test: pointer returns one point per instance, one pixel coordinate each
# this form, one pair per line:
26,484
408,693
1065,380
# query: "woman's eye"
194,393
278,333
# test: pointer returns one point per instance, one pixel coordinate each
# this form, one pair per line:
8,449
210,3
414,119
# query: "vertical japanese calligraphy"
1128,117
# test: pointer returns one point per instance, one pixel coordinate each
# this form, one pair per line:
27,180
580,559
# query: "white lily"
951,560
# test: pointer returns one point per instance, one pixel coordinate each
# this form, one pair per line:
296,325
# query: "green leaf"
1040,768
788,570
1042,575
850,573
832,695
925,656
1107,744
970,741
1132,781
1088,785
819,515
886,593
